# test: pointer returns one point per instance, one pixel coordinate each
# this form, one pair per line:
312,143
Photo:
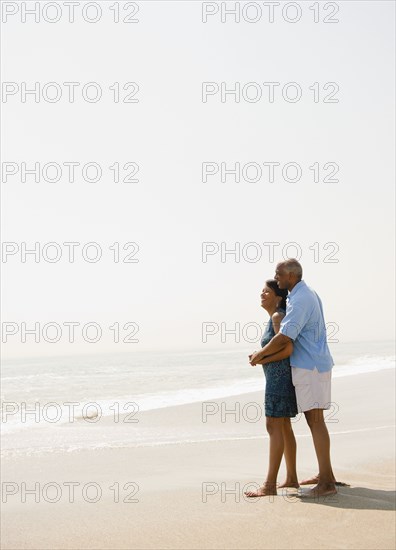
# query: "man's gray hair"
293,266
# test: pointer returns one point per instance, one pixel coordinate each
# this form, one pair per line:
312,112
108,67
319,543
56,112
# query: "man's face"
282,277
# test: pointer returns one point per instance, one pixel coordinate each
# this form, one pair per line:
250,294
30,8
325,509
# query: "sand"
190,495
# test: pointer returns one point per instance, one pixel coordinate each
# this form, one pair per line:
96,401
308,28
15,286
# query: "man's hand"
276,345
253,359
256,358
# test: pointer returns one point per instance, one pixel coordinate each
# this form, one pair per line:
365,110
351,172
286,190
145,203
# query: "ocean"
65,404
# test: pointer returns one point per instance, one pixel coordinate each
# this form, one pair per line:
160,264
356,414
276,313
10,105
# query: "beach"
189,494
176,176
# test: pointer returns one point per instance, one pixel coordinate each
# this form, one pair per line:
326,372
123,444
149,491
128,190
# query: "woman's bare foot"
289,483
320,490
268,489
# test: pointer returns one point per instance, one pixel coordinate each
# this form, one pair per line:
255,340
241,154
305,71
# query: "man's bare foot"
320,490
268,489
315,480
310,481
289,483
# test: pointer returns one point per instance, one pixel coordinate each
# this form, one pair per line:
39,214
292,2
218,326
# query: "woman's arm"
283,353
283,347
276,320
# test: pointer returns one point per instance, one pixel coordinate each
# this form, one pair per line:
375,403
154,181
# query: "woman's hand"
250,359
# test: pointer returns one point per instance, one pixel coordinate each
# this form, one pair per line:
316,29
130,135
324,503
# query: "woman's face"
269,299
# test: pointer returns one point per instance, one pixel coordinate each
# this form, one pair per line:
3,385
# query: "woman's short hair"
282,292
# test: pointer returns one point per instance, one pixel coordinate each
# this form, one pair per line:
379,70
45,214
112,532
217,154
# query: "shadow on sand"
358,498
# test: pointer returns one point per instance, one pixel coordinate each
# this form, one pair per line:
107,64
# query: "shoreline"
238,417
190,495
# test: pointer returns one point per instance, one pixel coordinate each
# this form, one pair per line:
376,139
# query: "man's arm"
286,352
275,346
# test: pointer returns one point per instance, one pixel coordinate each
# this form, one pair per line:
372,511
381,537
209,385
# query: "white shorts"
313,388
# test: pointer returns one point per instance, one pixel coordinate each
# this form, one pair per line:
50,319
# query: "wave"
94,409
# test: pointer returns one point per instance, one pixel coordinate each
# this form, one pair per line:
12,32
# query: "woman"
280,397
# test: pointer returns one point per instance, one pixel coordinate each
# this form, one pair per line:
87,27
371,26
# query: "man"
311,363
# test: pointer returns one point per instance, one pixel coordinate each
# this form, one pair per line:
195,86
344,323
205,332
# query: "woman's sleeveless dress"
280,396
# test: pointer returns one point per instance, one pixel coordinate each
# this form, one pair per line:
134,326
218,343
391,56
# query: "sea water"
62,403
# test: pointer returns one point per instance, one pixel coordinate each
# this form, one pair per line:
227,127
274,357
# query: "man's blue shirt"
304,324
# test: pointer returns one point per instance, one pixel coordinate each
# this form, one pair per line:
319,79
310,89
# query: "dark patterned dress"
280,397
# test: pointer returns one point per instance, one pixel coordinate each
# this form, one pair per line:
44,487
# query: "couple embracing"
296,330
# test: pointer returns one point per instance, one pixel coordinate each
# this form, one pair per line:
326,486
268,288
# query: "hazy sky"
169,133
